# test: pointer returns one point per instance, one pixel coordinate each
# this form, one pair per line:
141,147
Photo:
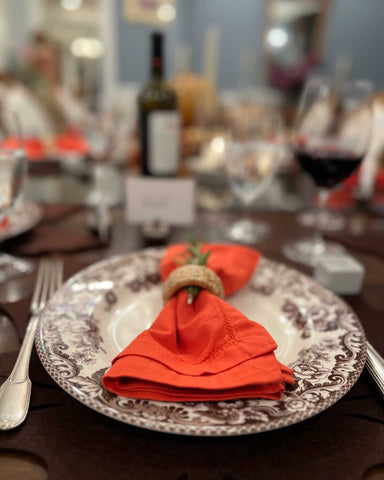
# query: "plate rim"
205,430
26,228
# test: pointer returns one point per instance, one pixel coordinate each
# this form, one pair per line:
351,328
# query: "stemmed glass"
13,171
331,137
252,154
101,139
98,141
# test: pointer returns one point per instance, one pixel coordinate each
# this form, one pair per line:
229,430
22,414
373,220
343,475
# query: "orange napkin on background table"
34,147
72,141
204,351
4,223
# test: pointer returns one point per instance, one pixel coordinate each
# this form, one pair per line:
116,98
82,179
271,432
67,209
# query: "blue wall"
240,28
240,23
133,42
355,27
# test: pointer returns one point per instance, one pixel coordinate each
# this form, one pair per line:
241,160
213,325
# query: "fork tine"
49,279
46,285
56,278
52,280
38,285
59,277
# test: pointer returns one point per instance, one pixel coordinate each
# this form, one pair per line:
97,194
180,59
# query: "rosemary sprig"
193,256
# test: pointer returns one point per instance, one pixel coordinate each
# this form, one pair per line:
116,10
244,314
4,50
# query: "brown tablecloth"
55,213
44,168
75,442
52,236
371,241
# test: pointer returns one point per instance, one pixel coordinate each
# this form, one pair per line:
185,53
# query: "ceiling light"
71,4
87,48
218,144
277,37
166,12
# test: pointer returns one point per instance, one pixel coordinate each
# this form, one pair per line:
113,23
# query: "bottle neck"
157,71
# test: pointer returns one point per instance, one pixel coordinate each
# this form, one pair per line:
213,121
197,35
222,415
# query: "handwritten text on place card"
170,200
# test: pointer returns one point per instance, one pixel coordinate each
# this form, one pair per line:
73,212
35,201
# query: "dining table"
62,438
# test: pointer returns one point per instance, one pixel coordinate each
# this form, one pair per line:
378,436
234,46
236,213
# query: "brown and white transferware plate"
24,217
104,307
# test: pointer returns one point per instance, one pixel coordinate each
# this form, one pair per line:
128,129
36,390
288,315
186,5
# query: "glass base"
110,198
13,267
248,231
308,251
326,221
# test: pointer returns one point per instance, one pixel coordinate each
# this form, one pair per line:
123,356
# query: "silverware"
15,392
375,366
9,341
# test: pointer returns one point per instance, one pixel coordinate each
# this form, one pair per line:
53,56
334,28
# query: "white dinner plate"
104,307
25,216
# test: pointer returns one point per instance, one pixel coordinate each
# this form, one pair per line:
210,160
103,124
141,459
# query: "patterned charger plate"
24,217
104,307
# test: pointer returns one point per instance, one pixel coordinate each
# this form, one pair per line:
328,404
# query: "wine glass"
13,171
252,155
331,137
326,221
100,137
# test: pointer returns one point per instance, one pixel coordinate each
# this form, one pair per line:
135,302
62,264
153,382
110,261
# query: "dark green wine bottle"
159,119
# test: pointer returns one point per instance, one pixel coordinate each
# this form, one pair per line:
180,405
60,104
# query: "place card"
171,200
340,273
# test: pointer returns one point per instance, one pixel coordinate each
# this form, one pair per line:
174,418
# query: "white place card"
168,199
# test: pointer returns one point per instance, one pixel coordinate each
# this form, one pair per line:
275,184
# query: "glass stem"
323,195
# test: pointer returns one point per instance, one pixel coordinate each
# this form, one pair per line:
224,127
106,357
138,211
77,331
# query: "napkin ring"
192,276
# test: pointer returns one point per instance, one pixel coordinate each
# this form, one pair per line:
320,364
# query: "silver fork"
15,393
375,366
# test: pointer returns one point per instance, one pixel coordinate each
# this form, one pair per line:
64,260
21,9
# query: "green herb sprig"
193,256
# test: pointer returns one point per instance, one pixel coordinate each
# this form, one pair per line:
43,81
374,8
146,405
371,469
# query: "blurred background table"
70,75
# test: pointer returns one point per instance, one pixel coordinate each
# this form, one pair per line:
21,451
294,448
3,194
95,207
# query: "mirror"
293,40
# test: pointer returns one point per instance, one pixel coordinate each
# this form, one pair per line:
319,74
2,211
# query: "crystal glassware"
252,153
13,172
331,136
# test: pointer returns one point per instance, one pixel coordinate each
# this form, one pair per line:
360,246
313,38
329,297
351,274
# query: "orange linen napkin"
34,147
72,141
204,351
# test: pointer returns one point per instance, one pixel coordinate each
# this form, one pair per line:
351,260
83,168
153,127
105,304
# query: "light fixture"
218,145
277,37
166,12
87,48
71,4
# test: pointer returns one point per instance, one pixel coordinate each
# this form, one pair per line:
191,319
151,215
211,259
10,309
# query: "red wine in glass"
331,135
328,167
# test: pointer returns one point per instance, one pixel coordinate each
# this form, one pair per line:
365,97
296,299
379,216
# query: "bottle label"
164,142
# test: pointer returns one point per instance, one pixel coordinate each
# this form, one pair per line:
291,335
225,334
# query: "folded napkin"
34,147
71,141
353,180
204,351
4,223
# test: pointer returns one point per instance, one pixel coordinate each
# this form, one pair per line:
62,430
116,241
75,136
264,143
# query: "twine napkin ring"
192,276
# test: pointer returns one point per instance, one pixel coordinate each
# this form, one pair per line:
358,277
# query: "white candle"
211,52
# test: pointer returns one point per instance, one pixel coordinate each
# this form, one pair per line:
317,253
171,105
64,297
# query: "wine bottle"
159,119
